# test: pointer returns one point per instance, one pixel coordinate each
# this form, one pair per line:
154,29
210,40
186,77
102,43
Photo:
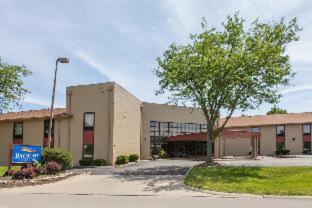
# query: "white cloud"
119,75
297,89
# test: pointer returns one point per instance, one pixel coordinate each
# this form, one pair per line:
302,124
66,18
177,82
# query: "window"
88,136
46,128
280,130
255,129
88,121
18,130
306,129
159,131
280,137
88,151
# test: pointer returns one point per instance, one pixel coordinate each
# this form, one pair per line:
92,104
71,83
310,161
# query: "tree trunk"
209,147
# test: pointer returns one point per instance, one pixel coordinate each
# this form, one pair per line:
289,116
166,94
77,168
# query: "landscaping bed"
7,182
289,181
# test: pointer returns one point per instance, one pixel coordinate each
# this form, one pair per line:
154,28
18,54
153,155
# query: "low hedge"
134,157
96,162
282,152
122,159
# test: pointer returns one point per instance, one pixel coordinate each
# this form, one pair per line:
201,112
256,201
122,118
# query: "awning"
202,136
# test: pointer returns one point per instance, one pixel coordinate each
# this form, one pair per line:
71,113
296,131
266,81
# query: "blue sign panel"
25,153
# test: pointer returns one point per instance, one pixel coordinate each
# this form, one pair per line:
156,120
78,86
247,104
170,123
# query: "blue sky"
119,41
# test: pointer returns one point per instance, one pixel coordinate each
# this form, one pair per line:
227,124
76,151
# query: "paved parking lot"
144,184
298,160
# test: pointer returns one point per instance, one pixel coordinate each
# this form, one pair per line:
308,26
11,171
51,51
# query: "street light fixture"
63,61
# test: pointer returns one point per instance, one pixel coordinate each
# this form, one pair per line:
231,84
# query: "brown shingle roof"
261,120
32,114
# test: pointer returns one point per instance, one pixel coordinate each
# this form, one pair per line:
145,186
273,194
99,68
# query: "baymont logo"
29,150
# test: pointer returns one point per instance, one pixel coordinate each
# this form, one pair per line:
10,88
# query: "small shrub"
9,173
133,158
58,155
162,153
85,162
282,152
25,173
51,168
99,162
122,159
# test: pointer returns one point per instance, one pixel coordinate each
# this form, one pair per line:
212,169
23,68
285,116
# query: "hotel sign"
25,153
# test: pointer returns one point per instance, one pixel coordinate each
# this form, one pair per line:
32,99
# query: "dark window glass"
280,146
306,129
46,128
18,130
159,131
280,130
255,129
88,121
88,151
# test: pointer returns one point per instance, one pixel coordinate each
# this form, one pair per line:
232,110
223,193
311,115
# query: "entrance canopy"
202,136
226,134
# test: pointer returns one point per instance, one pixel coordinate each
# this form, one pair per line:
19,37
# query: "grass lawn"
254,180
5,168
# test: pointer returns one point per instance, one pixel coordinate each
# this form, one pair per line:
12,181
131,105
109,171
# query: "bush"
133,158
162,153
51,168
9,173
26,172
282,152
99,162
122,159
85,162
58,155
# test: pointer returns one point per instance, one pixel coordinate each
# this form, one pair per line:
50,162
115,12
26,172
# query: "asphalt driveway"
145,178
265,161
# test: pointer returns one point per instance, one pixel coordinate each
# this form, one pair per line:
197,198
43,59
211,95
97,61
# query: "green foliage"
162,153
237,68
60,156
12,89
85,162
122,159
253,180
96,162
51,168
282,152
99,162
276,110
133,157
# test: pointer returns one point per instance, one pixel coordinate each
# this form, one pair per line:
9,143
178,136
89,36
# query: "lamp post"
63,61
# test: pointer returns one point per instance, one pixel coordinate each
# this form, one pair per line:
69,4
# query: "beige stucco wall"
91,98
6,138
126,124
294,131
268,140
165,113
32,134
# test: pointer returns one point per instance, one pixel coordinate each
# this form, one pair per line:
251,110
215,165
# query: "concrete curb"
241,195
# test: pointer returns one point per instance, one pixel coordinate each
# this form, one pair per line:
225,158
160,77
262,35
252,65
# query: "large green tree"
12,89
236,68
276,110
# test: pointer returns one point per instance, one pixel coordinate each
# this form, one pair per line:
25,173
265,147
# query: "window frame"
14,126
45,135
305,124
255,127
88,128
283,134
